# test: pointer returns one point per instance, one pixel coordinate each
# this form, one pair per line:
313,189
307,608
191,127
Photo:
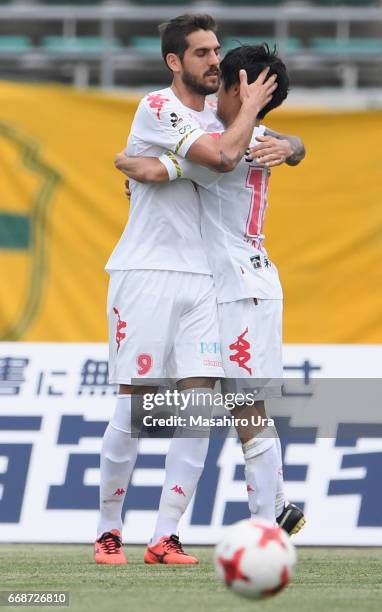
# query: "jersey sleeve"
161,121
179,167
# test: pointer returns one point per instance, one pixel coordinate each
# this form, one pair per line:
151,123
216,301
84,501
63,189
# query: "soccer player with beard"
161,300
249,293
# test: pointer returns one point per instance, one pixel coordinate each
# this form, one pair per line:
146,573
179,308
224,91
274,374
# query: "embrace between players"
191,272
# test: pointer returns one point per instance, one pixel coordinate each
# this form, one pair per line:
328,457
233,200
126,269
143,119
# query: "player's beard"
198,87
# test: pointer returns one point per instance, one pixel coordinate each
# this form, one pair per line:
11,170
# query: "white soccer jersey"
233,207
163,230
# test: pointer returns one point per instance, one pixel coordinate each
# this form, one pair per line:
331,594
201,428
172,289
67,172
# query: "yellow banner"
62,209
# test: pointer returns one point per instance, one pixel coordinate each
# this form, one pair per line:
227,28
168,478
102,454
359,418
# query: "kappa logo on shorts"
144,363
119,335
242,355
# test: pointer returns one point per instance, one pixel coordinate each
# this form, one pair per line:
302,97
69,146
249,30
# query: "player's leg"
243,326
268,360
184,464
259,470
196,371
117,460
138,349
261,464
261,349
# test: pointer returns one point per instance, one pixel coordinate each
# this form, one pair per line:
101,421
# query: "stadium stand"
356,46
288,44
15,44
79,44
146,44
109,43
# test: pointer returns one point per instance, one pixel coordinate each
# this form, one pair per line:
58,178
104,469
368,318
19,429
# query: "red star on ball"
270,534
231,568
284,579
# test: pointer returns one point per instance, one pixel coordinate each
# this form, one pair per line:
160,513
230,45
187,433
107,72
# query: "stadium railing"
79,44
263,3
288,45
356,46
118,39
15,44
146,44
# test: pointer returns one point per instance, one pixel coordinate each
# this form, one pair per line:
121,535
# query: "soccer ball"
255,558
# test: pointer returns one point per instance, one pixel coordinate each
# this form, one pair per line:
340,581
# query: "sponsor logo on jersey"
144,363
175,120
157,102
260,261
119,334
256,261
242,354
184,129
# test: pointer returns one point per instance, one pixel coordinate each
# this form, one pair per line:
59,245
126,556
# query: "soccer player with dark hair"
249,292
161,300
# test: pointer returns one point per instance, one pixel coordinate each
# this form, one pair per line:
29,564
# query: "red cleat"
168,551
108,549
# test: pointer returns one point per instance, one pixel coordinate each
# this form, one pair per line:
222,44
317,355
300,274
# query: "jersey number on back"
257,181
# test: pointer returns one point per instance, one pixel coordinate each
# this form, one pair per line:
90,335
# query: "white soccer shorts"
251,345
162,324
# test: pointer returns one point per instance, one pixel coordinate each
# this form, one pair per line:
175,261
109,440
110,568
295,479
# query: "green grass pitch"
327,579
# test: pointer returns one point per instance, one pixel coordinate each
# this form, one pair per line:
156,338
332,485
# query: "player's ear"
173,62
235,90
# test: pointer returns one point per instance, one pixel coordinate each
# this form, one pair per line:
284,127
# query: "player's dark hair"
174,33
254,58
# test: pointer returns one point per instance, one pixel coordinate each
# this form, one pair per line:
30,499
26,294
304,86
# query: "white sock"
184,465
261,467
118,457
280,493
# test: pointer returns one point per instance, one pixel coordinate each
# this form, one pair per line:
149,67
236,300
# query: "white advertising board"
55,404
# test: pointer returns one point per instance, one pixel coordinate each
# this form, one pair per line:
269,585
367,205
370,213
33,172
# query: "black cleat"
291,519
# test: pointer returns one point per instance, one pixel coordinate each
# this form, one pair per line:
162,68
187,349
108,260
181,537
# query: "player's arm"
275,149
142,169
223,154
168,167
163,122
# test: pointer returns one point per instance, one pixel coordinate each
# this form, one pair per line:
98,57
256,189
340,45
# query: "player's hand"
120,160
127,188
271,151
256,95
